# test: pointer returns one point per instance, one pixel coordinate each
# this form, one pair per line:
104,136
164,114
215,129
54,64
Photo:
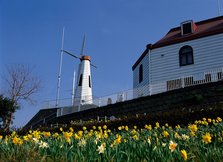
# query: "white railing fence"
151,89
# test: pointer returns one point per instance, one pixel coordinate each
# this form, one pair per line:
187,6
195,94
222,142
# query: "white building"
83,93
193,47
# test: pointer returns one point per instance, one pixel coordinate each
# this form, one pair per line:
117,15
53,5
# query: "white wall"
145,81
208,55
84,92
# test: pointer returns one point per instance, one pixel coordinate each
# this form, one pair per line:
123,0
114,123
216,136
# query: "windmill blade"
83,45
71,54
93,65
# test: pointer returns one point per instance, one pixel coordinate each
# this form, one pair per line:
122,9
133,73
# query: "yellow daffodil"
219,119
105,127
17,141
177,136
84,128
134,131
118,140
120,128
13,134
26,138
177,126
46,134
55,135
193,127
67,136
36,134
71,129
149,127
135,137
80,133
206,138
149,140
105,135
184,154
209,120
192,134
165,134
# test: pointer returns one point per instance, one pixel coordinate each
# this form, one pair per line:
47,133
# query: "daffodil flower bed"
199,141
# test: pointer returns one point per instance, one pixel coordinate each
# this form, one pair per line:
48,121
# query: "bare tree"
20,86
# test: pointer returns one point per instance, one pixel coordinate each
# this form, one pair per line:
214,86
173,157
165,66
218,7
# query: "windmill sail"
82,47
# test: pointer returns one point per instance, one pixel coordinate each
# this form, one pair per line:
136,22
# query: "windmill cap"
86,58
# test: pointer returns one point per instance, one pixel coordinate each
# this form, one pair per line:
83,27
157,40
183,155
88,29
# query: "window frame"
187,54
184,27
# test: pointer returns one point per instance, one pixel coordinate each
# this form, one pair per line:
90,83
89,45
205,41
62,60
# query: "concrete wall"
195,96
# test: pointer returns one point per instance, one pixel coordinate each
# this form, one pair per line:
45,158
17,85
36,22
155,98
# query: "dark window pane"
140,73
186,50
186,56
183,60
80,80
187,28
89,81
189,58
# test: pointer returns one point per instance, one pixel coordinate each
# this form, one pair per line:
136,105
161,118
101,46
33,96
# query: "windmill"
83,91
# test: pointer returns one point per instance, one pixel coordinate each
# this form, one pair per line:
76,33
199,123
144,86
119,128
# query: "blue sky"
117,32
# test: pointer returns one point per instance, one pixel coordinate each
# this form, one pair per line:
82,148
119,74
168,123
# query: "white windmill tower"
83,91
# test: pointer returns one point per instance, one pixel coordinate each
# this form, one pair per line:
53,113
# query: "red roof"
203,29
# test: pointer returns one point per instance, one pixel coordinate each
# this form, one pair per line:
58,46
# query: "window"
140,73
188,27
186,56
80,80
89,81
